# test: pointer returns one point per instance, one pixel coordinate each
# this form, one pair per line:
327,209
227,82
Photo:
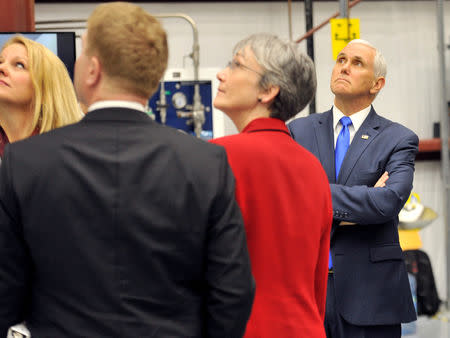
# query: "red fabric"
285,200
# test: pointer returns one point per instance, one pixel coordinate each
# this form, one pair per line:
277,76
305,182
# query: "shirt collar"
357,118
117,104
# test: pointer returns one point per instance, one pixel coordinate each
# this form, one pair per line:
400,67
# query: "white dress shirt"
357,120
117,104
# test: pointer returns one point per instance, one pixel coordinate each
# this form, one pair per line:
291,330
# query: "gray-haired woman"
281,188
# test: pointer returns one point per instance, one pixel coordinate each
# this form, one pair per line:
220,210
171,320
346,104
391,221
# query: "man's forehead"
357,50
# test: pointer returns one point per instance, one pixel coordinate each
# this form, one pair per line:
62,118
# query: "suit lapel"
325,143
363,137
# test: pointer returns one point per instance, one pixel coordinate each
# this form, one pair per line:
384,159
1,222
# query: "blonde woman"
36,92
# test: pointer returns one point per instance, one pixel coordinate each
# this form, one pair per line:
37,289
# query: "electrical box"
174,104
342,32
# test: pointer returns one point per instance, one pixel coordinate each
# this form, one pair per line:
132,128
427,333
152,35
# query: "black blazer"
120,227
370,276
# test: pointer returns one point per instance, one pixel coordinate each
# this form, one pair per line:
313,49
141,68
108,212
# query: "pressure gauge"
179,100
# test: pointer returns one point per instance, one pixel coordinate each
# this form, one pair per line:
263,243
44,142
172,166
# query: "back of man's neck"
121,97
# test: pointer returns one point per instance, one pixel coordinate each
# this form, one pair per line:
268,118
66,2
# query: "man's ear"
94,71
378,85
269,94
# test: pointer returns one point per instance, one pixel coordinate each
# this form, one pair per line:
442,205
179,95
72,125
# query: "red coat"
285,200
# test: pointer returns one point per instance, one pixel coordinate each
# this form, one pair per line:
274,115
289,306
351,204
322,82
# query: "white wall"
405,31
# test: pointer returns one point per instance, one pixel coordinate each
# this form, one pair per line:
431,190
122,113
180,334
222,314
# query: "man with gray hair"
117,226
369,162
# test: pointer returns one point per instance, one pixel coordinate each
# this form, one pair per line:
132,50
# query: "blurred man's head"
124,49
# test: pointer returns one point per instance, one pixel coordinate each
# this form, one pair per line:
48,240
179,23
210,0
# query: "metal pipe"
162,104
445,125
343,7
310,43
198,108
198,111
290,19
58,22
195,55
82,23
325,22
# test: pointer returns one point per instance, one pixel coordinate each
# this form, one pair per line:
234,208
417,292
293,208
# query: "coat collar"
266,124
116,114
117,104
324,134
325,143
369,129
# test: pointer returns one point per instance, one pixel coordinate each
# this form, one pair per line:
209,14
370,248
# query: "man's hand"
382,180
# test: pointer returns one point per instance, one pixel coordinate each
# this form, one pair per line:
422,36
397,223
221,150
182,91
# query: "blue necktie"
342,144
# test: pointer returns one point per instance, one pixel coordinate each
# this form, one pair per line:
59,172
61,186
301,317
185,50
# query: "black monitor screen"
60,43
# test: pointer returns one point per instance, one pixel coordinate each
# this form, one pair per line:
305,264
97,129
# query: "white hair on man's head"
379,63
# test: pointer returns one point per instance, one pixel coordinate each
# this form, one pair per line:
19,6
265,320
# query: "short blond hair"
54,102
130,44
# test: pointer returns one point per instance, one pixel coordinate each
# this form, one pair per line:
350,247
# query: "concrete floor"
436,327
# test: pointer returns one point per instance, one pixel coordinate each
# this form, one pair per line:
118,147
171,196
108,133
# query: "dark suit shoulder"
150,138
188,144
396,128
46,139
307,120
167,134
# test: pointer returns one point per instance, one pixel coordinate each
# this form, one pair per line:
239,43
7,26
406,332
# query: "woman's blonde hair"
54,103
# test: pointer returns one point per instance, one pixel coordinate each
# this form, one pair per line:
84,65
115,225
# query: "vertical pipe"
343,8
162,103
290,19
310,43
444,134
344,13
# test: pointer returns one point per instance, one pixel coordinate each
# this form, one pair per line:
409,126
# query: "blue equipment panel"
179,102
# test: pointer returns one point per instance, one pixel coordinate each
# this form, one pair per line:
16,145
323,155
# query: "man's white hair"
379,63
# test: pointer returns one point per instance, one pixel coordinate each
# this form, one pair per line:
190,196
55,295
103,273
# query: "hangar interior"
414,37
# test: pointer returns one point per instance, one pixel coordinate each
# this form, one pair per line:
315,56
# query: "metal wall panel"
405,31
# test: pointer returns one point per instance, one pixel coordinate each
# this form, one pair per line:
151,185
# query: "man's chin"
339,91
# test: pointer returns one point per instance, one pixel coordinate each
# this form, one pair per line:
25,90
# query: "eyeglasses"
233,64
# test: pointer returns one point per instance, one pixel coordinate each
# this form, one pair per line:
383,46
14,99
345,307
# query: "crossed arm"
380,184
361,204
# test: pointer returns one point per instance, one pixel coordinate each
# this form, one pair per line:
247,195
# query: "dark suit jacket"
120,227
285,199
369,272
